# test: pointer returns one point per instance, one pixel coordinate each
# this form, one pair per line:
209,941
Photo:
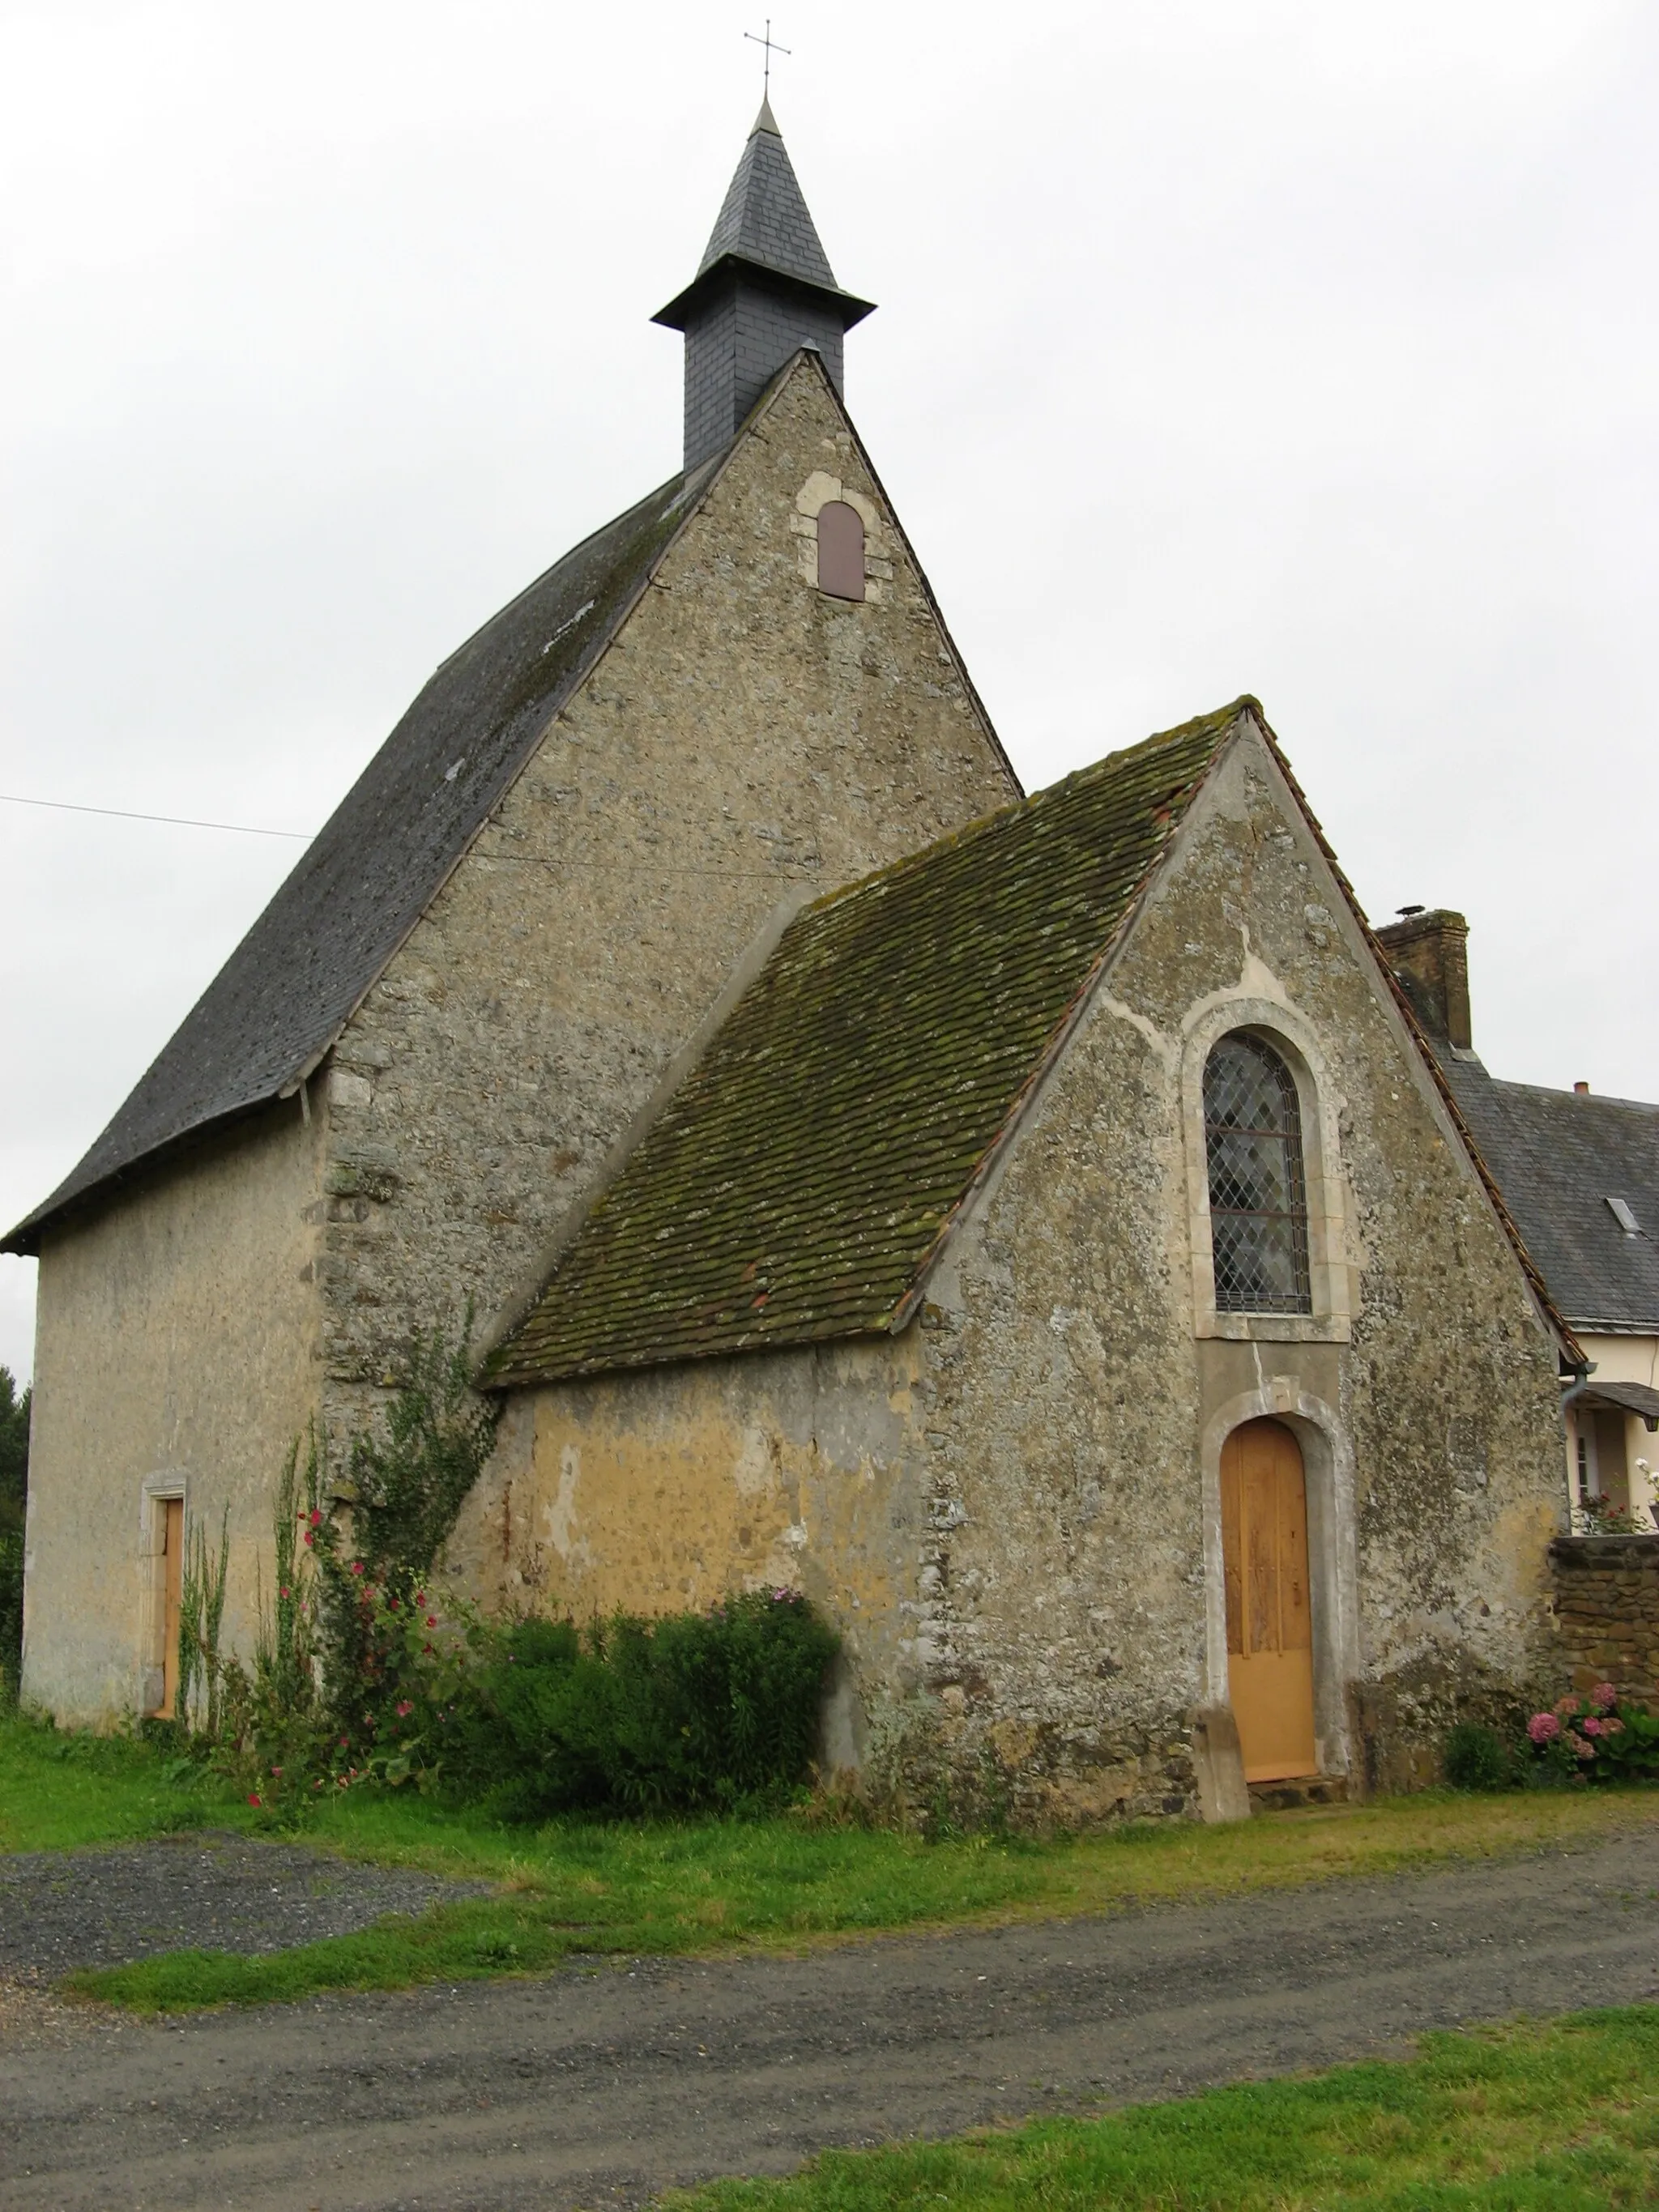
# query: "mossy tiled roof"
796,1185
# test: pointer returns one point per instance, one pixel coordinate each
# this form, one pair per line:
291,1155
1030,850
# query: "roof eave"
681,308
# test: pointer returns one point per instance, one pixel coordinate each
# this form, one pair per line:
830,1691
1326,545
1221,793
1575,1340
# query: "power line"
176,821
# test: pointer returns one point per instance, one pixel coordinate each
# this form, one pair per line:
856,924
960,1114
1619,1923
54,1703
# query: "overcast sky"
1224,345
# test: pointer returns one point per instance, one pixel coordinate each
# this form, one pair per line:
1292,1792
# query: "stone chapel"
1036,1227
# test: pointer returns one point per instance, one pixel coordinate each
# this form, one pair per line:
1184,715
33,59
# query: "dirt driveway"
602,2085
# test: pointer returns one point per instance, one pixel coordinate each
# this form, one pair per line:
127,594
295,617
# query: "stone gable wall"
1069,1627
744,738
1606,1613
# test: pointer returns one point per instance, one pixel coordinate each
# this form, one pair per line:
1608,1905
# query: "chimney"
1429,952
764,289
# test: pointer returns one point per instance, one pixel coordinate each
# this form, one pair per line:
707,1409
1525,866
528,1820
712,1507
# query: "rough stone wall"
743,736
1606,1613
663,1491
1070,1629
177,1347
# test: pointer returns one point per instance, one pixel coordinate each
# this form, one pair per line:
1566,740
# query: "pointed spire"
764,290
764,218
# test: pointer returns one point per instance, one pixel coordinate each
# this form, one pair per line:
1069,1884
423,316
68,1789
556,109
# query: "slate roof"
763,223
1559,1156
764,216
283,995
797,1184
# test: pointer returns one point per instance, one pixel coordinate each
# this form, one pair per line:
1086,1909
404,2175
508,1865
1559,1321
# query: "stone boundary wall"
1606,1613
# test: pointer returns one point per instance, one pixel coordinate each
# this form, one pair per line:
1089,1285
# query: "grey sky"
1295,349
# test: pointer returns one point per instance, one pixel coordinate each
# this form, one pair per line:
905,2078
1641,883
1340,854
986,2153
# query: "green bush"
14,1507
701,1711
1476,1758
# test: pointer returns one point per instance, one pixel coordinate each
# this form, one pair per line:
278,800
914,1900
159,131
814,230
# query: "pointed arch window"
1258,1187
841,550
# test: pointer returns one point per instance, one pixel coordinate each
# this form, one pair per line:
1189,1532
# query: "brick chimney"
1429,952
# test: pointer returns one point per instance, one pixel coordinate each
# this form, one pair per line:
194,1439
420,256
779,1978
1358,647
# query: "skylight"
1622,1214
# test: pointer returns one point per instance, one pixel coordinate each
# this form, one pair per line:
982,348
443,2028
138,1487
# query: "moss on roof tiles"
797,1183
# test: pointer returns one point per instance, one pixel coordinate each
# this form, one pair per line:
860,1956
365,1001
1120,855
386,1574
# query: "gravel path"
218,1892
605,2084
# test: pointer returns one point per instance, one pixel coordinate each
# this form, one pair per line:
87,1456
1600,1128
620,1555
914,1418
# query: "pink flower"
253,1796
1604,1694
1567,1706
432,1621
310,1536
1592,1726
405,1709
1611,1727
356,1566
285,1591
316,1520
420,1597
1542,1727
1580,1748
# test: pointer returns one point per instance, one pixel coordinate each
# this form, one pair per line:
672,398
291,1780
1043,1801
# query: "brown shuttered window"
841,550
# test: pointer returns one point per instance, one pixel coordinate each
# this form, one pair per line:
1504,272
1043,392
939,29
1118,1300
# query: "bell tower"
764,290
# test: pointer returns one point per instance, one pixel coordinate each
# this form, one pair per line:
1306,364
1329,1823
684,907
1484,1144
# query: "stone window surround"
1333,1553
1328,1274
155,1491
816,494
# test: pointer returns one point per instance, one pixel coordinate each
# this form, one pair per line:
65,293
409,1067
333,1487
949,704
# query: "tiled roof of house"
797,1184
1558,1157
283,995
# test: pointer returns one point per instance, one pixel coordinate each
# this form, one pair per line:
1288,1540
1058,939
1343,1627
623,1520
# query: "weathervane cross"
772,47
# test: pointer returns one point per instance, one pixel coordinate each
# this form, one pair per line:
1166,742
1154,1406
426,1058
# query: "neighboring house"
1036,1228
1580,1175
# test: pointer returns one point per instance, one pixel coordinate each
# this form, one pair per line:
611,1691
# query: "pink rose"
1604,1694
1592,1726
1543,1727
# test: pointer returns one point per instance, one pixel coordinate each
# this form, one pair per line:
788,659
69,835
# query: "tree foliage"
14,1508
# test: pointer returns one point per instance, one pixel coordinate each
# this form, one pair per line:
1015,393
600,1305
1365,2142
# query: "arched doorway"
1264,1542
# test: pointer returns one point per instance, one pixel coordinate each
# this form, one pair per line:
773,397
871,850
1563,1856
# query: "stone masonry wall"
177,1351
743,737
1066,1631
1606,1613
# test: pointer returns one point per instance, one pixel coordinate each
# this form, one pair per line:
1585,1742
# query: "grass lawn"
1563,2118
584,1886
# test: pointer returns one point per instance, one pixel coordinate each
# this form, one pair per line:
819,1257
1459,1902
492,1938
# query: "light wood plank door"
173,1588
1264,1540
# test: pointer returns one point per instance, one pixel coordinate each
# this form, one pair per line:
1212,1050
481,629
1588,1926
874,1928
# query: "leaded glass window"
1258,1193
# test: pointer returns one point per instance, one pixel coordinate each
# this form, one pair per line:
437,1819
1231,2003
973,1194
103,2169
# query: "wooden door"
1264,1540
173,1583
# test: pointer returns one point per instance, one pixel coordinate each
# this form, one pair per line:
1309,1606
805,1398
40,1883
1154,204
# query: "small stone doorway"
172,1579
1264,1540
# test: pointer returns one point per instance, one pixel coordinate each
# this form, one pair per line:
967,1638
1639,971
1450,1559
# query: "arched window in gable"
841,550
1258,1189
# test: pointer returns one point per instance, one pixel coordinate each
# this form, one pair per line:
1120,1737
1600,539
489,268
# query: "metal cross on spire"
772,47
